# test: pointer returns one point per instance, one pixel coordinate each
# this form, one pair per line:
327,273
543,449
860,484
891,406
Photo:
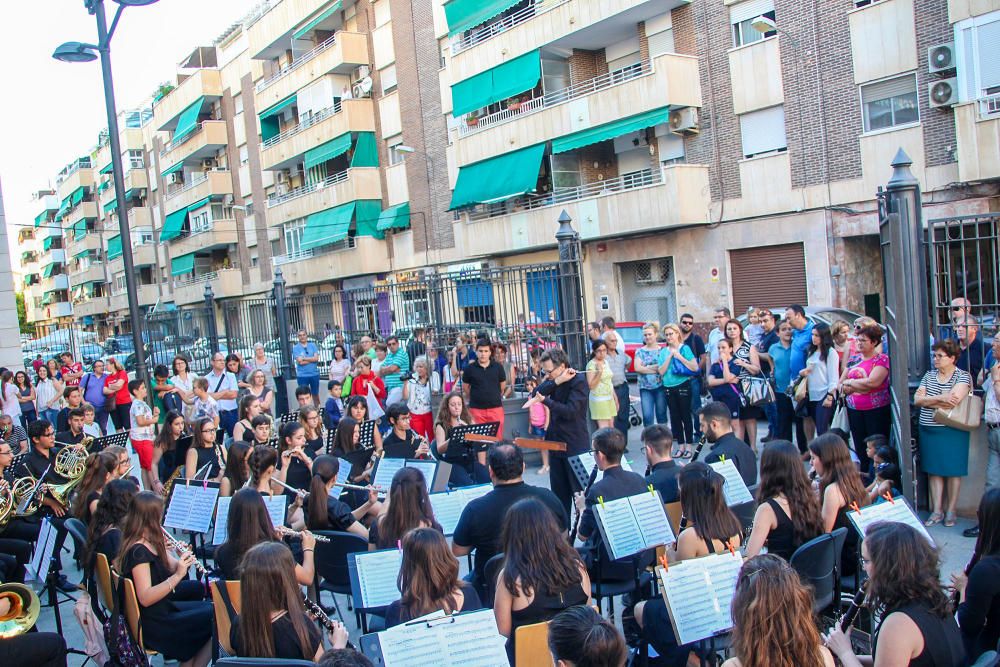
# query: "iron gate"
183,331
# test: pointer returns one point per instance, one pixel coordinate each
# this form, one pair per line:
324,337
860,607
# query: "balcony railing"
258,12
190,135
201,277
491,30
989,106
299,255
339,177
297,63
623,183
305,124
196,179
577,90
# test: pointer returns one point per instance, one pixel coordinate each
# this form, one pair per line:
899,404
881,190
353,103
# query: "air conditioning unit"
684,121
362,88
283,177
208,164
173,179
361,72
943,93
941,58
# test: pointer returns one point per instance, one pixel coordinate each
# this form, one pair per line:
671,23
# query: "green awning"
275,109
610,130
366,215
63,209
394,217
108,168
114,247
79,229
76,197
328,151
188,120
47,271
173,225
171,170
304,30
82,253
41,217
326,227
499,178
104,186
25,256
47,243
512,77
269,125
465,14
365,151
181,265
111,205
48,298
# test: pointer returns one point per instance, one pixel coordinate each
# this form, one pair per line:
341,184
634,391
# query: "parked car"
631,335
825,314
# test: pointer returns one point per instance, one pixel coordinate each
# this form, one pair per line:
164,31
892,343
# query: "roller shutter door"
769,276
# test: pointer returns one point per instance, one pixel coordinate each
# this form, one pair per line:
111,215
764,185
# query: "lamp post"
77,52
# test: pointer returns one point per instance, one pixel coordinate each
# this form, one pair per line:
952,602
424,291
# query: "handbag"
965,416
124,651
839,419
756,390
173,403
677,368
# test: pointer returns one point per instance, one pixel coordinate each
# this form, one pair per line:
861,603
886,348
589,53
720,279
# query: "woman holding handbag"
944,450
747,359
677,366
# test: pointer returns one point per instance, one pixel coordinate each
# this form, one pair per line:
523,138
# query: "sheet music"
698,594
619,528
377,574
652,519
427,467
470,493
344,472
735,489
276,506
587,459
470,640
447,508
384,472
898,511
191,507
38,568
221,521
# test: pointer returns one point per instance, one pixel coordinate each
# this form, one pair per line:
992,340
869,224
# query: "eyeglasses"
123,462
49,434
207,430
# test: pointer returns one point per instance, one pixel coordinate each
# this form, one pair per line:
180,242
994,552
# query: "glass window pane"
905,109
879,114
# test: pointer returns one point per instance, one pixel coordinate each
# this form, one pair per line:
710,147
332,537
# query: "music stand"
366,434
467,448
119,439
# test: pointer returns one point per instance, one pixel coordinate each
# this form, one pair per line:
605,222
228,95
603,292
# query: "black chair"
988,659
816,563
846,585
491,572
744,513
332,573
606,580
78,532
263,662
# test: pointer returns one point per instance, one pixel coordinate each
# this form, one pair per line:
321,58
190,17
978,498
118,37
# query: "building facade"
710,152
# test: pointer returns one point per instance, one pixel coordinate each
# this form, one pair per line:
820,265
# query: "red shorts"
423,424
487,415
144,449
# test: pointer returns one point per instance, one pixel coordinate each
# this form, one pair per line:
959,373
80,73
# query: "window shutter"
749,9
661,42
768,276
763,131
988,45
883,90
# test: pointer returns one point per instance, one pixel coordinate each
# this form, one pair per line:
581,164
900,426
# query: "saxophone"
170,481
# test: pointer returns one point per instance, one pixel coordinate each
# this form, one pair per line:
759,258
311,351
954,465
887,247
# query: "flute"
182,550
285,531
305,494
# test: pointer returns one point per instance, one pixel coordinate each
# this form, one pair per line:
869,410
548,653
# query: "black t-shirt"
37,463
481,520
663,477
226,561
62,420
398,448
286,642
696,344
484,385
766,341
298,474
67,438
396,614
338,515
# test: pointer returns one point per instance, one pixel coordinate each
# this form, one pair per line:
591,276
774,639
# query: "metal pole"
570,291
285,346
104,47
213,329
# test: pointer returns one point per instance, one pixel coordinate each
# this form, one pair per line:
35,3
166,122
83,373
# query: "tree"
22,315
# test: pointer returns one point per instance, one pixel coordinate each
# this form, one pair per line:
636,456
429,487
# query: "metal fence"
185,331
965,263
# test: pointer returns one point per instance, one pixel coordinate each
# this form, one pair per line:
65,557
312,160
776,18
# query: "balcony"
55,310
666,80
875,56
142,255
59,281
345,186
79,178
54,256
550,21
94,273
85,210
95,305
221,234
339,54
91,241
204,142
135,180
203,83
755,75
226,283
361,256
270,30
285,149
637,203
977,128
486,32
203,184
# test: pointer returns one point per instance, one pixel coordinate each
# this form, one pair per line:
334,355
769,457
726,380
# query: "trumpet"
182,550
285,531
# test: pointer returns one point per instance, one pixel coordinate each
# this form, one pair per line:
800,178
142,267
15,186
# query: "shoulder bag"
965,416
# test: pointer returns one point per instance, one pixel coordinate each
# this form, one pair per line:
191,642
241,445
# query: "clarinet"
697,450
182,550
854,608
579,514
322,618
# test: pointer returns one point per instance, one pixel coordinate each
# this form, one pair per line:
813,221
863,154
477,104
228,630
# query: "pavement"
954,550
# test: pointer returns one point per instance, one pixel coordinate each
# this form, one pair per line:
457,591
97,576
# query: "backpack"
124,651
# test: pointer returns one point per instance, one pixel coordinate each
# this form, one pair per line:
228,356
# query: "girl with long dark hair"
428,579
295,460
409,507
978,587
248,409
249,524
840,486
542,574
204,451
26,396
904,591
747,358
175,620
165,449
237,471
785,634
100,469
357,409
325,511
788,512
104,533
822,372
466,469
580,637
273,621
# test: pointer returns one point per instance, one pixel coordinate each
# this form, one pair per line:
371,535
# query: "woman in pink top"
538,419
866,386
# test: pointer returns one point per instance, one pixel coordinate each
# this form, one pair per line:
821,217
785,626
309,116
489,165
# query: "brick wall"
585,65
643,41
602,154
938,124
233,158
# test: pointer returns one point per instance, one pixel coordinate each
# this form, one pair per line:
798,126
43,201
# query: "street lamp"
80,52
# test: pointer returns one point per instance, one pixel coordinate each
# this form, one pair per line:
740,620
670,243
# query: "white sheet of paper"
377,574
221,520
735,489
384,472
427,468
469,640
344,472
192,507
276,506
447,509
621,531
698,593
38,568
898,511
652,519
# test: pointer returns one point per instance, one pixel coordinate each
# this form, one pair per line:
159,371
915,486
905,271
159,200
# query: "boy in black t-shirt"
402,442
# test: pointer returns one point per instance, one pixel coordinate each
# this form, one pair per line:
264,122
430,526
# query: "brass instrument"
170,481
23,612
28,492
285,531
182,550
85,442
7,503
71,463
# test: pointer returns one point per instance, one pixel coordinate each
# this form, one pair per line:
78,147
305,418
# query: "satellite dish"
366,85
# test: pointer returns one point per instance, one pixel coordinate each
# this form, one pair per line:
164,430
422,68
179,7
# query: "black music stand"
468,449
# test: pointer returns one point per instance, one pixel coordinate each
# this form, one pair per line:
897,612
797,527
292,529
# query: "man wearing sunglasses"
697,345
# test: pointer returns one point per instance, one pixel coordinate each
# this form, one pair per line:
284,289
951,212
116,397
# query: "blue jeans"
654,406
310,381
50,415
771,411
696,405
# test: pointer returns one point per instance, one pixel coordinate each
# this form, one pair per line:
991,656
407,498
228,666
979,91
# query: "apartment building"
41,252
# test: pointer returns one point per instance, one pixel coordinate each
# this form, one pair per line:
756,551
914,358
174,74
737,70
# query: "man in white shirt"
222,386
607,327
721,316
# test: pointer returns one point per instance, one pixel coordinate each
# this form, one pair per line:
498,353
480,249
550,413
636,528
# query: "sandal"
686,454
949,519
677,454
934,519
544,470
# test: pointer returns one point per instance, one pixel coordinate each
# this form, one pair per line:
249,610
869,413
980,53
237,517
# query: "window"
244,154
396,156
119,283
200,222
237,105
763,131
889,103
977,45
143,235
566,171
293,236
742,15
388,76
247,207
135,160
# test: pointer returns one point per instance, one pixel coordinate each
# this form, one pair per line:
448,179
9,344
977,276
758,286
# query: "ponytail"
261,458
325,468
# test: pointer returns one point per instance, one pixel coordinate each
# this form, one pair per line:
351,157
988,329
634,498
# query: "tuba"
23,612
71,463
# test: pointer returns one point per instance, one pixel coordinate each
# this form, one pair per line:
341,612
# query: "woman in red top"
363,377
116,384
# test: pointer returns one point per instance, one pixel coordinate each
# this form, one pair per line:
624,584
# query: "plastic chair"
606,579
531,646
78,531
263,662
131,612
332,573
816,563
491,572
223,624
988,659
103,572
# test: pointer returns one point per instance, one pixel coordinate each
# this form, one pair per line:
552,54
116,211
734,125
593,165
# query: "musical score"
276,506
469,639
38,568
191,507
582,464
386,468
373,577
896,511
449,505
698,593
734,489
633,524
